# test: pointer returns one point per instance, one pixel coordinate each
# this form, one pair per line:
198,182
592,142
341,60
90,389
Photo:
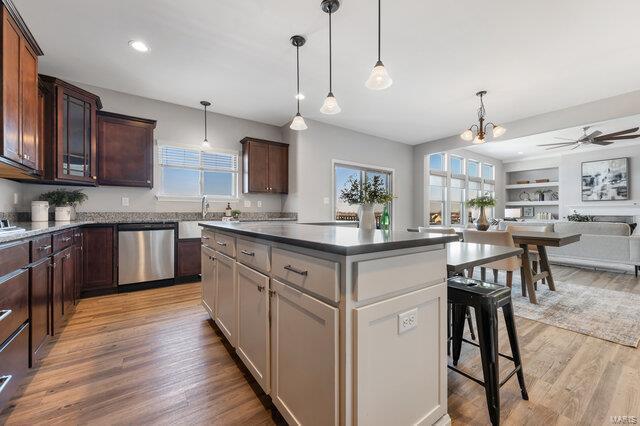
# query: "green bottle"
385,221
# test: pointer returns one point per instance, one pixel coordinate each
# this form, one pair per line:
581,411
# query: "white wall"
311,173
180,126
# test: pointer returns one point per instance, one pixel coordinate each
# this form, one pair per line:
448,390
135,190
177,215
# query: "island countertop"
333,239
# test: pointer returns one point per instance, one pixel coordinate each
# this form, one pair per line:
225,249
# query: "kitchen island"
337,325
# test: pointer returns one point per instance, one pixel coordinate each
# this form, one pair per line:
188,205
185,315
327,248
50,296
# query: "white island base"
334,339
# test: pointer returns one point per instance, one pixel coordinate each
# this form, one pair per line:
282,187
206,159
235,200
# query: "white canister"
39,211
63,214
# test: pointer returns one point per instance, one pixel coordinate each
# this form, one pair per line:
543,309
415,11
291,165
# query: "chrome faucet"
205,207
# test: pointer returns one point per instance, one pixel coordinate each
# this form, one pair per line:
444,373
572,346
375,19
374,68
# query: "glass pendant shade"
330,105
478,140
498,131
206,144
467,135
379,78
298,123
299,96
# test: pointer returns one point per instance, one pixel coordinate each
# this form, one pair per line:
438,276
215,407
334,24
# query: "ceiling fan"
594,138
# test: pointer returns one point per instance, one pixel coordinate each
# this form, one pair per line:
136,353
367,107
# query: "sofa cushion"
593,228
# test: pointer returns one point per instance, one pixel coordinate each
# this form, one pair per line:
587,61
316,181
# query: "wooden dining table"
541,240
463,256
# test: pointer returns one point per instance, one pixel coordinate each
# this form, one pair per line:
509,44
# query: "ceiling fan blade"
577,146
603,143
559,143
561,146
564,139
592,135
621,132
617,138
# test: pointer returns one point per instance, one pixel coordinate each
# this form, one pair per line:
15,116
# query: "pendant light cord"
330,78
298,75
205,124
379,28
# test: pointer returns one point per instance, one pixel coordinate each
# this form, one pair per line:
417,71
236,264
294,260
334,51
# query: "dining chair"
496,238
533,250
436,230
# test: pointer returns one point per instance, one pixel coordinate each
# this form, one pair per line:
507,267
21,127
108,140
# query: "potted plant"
365,195
482,224
235,214
65,202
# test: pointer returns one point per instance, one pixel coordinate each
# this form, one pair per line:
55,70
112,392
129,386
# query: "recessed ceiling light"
520,152
139,45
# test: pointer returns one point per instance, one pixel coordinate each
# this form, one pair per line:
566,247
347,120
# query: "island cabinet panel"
315,275
39,307
125,150
304,357
413,388
208,280
226,297
98,249
253,323
255,255
265,166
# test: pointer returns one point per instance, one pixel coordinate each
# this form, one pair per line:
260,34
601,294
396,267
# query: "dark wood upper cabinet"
265,166
70,127
19,149
125,150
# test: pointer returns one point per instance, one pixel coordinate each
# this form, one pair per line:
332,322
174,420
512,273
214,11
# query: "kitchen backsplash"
153,216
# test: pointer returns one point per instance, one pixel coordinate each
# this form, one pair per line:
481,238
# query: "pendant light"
205,142
298,122
330,105
478,134
379,78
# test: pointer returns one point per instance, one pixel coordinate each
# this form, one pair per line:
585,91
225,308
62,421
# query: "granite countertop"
36,228
333,239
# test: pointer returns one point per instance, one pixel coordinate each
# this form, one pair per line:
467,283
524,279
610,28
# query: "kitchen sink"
189,229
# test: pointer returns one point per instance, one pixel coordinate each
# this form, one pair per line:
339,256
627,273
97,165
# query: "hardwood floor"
138,358
154,357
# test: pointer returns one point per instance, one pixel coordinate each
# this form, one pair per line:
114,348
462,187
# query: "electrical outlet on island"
125,201
259,204
247,203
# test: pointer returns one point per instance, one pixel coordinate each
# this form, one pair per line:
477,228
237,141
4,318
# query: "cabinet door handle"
67,239
5,313
221,243
4,381
43,248
148,181
260,288
295,270
248,253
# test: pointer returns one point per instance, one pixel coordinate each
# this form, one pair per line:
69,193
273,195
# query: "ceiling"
527,147
532,57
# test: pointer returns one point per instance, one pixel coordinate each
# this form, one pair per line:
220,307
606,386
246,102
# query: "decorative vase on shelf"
366,217
482,224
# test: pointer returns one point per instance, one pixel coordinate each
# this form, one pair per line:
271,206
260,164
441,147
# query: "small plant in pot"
366,195
482,224
65,201
236,214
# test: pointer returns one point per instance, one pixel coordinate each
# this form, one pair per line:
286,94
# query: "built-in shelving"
532,203
533,185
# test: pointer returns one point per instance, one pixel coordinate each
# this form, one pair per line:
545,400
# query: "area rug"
606,314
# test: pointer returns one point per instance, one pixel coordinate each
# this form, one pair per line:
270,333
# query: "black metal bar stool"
485,299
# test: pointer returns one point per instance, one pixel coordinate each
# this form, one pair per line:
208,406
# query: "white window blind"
190,173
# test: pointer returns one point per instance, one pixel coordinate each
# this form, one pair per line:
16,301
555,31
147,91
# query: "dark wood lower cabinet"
188,258
14,363
57,288
39,307
98,255
68,282
78,264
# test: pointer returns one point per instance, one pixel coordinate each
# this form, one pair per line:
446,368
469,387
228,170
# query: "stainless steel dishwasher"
146,252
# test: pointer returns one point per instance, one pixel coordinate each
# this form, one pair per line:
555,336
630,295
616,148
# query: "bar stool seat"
485,299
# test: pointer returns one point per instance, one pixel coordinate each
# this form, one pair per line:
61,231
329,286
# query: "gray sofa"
603,244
